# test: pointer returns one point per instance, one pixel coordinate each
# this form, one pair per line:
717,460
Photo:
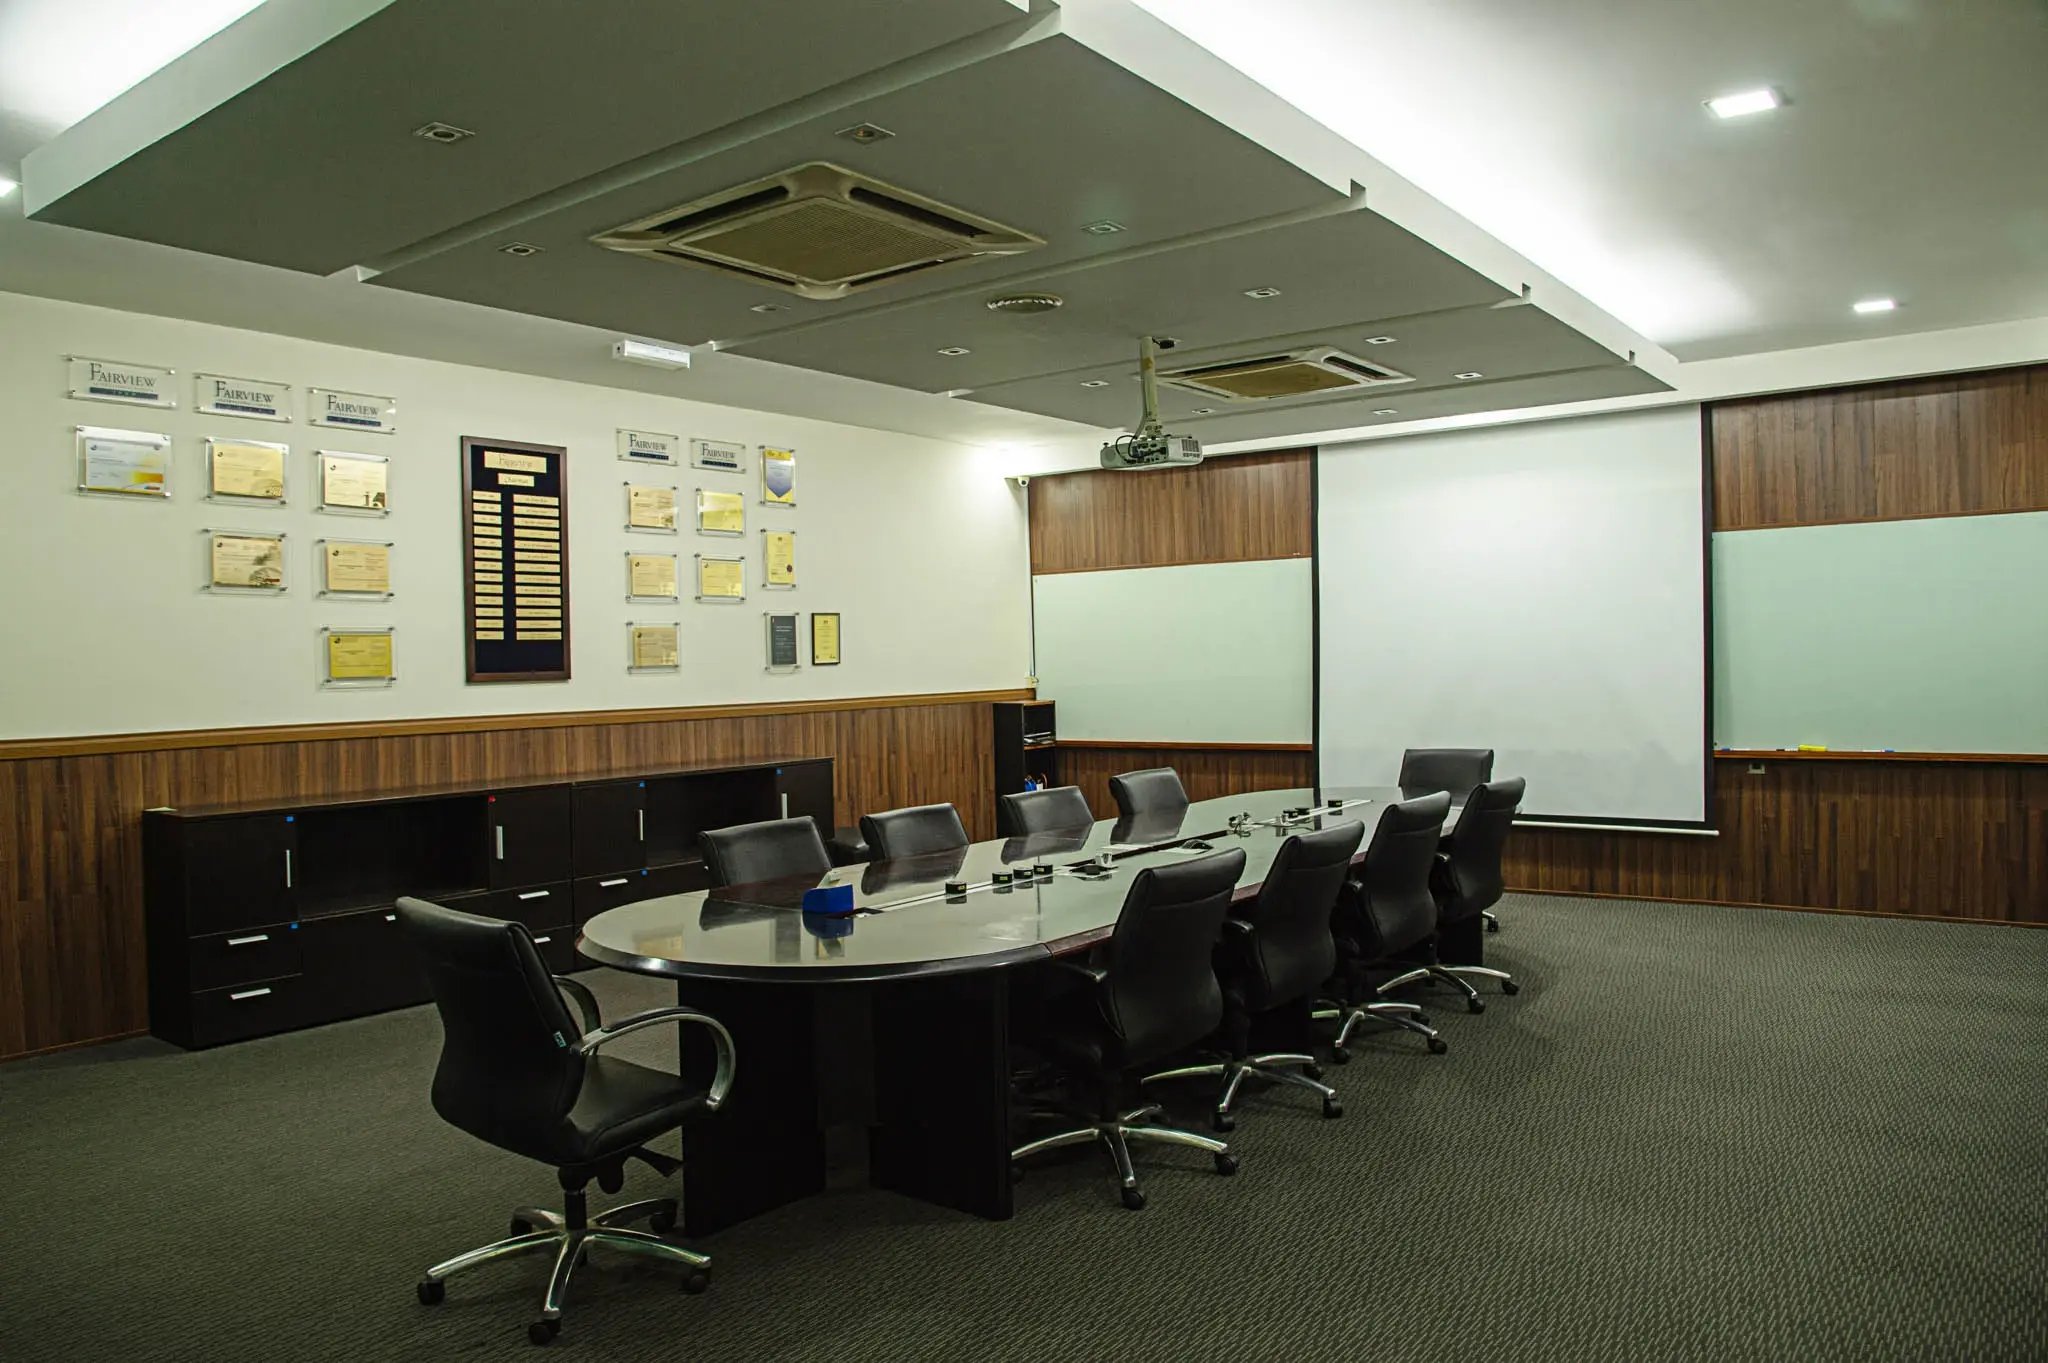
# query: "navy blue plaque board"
515,560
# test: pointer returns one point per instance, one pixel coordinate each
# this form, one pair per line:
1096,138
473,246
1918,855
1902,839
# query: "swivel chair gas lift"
1425,770
1386,914
517,1072
1271,962
1149,991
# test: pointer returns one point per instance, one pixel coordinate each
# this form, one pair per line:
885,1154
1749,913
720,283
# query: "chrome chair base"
546,1230
1407,1016
1116,1136
1304,1074
1455,975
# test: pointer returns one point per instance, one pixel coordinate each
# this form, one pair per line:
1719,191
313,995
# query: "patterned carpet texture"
1697,1133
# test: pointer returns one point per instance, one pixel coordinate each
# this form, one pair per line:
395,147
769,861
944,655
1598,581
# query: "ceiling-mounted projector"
1150,446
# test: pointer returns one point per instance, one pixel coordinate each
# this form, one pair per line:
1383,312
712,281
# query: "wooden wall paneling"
1253,506
1208,773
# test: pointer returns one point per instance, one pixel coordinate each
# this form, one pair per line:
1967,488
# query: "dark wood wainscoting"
71,938
1209,771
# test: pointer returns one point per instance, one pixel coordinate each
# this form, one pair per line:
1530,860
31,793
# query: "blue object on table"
831,901
829,926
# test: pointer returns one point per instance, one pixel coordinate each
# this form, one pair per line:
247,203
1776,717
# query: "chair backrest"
768,850
1452,769
1041,811
1157,790
1162,992
1290,948
913,832
1471,877
509,1069
1394,881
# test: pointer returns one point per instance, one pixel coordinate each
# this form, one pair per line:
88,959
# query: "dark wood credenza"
271,916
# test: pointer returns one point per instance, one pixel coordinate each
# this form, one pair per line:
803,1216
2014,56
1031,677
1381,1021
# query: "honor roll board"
515,550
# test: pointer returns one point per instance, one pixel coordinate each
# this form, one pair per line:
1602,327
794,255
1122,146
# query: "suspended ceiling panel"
1046,138
1331,272
315,167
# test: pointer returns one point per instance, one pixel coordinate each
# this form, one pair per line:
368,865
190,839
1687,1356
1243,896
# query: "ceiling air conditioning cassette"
1287,375
818,230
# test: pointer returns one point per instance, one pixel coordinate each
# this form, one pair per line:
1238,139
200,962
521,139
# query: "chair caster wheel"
1313,1071
519,1227
1339,1055
1422,1018
696,1280
1134,1199
543,1331
1332,1108
1223,1121
431,1293
1016,1173
1226,1165
1493,925
664,1219
1510,987
1437,1045
1475,1005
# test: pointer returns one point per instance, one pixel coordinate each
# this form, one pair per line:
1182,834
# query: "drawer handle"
613,883
249,994
643,825
498,830
391,918
248,941
287,868
534,894
542,941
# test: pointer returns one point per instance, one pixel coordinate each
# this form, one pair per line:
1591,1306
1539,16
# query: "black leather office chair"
769,850
1042,811
1275,954
913,832
1467,880
1150,991
1154,791
1386,913
1424,770
519,1073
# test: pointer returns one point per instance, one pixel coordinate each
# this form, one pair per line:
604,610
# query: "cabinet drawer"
558,950
241,1011
359,963
238,957
595,894
543,906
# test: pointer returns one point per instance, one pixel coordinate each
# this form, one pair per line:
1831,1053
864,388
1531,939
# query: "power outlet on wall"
1756,769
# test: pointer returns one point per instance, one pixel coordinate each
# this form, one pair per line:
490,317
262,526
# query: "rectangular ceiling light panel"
818,230
1287,375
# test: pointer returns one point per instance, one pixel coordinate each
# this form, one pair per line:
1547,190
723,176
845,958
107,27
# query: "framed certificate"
824,638
650,647
721,579
651,577
721,513
354,568
651,508
245,471
778,559
778,476
356,658
782,643
354,484
124,463
244,561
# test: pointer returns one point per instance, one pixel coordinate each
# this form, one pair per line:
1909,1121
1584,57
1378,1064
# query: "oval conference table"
895,1020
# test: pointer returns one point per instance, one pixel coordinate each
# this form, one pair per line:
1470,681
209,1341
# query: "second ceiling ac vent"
818,230
1286,375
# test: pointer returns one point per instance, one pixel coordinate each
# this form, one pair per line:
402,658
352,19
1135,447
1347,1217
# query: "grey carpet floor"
1697,1133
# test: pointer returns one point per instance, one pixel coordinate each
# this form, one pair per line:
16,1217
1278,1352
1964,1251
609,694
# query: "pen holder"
829,901
829,926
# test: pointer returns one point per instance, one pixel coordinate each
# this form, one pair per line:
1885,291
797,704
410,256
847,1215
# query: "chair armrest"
1237,928
586,1001
721,1079
1094,974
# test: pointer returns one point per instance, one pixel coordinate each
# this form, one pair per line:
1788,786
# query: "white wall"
919,543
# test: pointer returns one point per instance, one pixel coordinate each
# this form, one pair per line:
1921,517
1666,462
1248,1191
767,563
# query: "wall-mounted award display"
356,658
351,411
651,508
138,385
721,579
515,537
824,638
778,559
243,561
650,647
354,568
778,476
245,471
647,447
723,456
721,513
651,577
219,395
124,463
782,641
354,484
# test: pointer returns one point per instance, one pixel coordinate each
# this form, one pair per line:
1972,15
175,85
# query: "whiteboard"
1200,653
1917,636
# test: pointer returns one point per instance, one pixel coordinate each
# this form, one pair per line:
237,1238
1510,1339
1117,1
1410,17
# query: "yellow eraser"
1813,747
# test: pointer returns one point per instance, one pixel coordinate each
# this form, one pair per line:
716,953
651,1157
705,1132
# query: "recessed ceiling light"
1385,411
864,133
955,350
442,132
7,186
1103,228
1743,103
1262,293
1095,383
1025,303
521,248
1469,374
1876,305
1379,340
766,307
1203,411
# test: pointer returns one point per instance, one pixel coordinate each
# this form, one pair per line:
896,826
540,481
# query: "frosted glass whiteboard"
1208,652
1918,636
